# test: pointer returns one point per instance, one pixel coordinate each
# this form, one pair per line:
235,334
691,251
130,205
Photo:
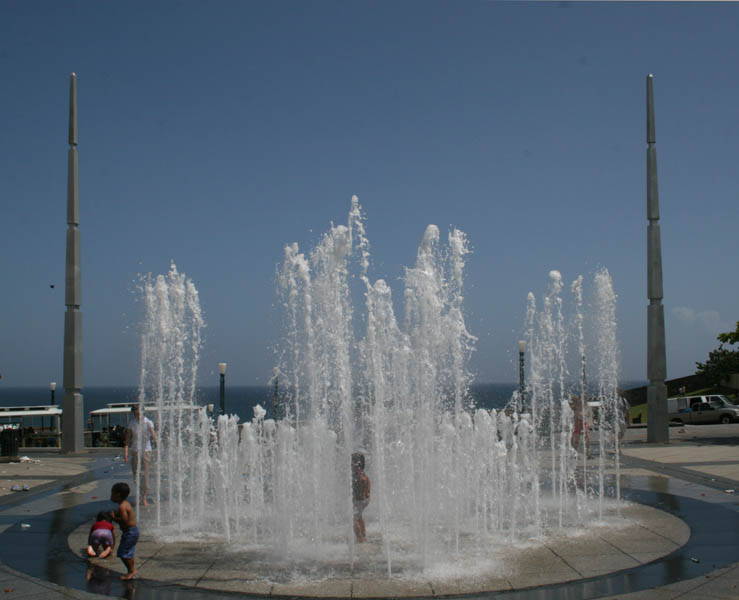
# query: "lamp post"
222,371
52,387
521,352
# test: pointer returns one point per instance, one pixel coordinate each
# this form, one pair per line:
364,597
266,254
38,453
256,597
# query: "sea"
240,400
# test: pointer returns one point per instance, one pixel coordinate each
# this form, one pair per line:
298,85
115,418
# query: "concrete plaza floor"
700,463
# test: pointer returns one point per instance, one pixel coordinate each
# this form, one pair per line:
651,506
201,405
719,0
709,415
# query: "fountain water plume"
170,352
449,479
607,372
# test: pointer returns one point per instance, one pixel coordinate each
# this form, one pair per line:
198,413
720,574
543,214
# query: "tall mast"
657,428
72,406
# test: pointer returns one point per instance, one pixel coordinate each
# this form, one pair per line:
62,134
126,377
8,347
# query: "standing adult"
622,416
138,441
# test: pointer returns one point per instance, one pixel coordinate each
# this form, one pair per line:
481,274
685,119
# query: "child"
360,495
582,424
102,533
127,522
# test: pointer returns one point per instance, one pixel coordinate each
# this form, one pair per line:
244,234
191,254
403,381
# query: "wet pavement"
638,535
690,479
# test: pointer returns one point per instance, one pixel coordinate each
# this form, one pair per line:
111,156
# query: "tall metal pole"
657,427
72,406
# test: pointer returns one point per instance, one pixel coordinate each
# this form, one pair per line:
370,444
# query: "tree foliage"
730,337
721,362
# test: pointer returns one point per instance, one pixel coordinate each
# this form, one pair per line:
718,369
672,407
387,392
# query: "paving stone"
677,532
22,588
584,546
642,540
536,560
183,575
5,576
653,594
525,580
81,595
146,550
731,573
166,557
728,471
381,588
470,585
85,488
646,557
685,586
590,566
719,588
5,490
234,581
323,589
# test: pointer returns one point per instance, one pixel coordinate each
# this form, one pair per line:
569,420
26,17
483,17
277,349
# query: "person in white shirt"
622,417
139,432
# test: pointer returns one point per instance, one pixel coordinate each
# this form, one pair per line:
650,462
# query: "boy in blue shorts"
125,518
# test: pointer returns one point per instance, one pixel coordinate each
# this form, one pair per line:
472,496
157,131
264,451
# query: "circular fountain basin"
628,536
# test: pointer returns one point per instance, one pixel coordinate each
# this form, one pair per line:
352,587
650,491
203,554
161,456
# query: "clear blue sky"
213,133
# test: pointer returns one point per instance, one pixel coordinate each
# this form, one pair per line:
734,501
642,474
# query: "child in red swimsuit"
102,535
581,425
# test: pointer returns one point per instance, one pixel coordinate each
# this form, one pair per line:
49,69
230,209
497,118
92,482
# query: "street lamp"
521,352
222,371
52,387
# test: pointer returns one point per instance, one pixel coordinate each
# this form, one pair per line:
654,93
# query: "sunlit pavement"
691,480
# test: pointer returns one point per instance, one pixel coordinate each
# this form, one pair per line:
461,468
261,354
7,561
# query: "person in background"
140,431
622,416
360,495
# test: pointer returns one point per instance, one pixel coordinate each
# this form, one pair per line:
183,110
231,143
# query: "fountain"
450,481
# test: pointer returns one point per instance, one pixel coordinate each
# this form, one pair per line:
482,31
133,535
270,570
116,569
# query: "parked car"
694,410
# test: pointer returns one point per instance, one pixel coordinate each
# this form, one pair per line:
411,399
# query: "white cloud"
684,314
711,320
708,320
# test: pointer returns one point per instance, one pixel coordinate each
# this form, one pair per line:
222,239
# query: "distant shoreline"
625,384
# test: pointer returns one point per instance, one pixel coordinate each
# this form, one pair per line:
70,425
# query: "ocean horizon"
240,399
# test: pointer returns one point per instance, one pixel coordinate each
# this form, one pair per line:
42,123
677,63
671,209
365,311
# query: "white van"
682,403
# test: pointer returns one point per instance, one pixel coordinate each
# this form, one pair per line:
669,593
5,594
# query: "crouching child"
102,536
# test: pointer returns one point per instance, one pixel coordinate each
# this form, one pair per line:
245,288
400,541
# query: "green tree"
730,337
721,362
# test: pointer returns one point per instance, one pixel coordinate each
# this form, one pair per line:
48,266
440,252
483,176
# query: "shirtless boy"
360,495
129,532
